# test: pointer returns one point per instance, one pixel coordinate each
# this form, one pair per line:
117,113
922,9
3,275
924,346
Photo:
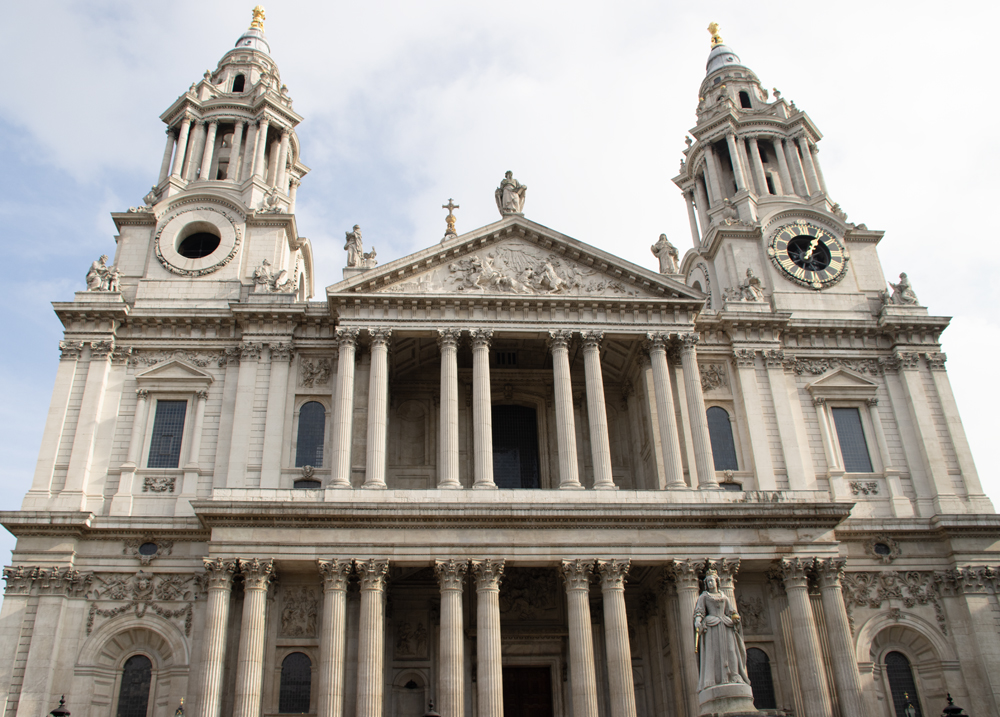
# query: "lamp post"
951,710
61,710
909,710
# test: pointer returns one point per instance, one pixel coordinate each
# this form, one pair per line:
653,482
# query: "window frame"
883,668
300,402
742,475
119,673
279,659
182,457
867,431
843,388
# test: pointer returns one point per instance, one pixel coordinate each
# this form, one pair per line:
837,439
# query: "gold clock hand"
812,248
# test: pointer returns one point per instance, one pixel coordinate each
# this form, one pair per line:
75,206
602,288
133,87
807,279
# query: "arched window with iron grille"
296,684
901,685
720,430
133,695
761,682
312,431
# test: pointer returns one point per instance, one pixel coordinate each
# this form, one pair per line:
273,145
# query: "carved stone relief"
912,588
816,367
26,580
159,484
147,548
713,376
411,636
315,372
529,594
753,611
201,359
144,592
883,548
299,610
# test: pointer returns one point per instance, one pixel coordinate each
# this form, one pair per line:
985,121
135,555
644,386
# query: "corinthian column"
845,665
330,701
684,574
371,632
451,677
597,414
378,400
490,677
622,690
656,344
220,583
250,666
704,463
343,410
809,658
279,177
182,147
448,455
583,680
206,156
168,152
569,475
482,409
261,141
233,169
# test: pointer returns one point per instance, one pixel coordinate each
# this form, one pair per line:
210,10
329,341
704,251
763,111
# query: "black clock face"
808,255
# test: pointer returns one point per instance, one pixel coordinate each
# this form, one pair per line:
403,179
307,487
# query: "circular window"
149,549
198,245
809,252
882,549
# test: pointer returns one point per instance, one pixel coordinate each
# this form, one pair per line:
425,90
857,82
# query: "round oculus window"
882,549
198,245
149,549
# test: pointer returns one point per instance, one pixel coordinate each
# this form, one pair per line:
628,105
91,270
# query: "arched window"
296,682
723,446
901,684
745,101
759,671
238,83
312,429
133,696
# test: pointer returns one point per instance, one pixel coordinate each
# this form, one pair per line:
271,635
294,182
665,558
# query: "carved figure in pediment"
354,248
510,195
551,279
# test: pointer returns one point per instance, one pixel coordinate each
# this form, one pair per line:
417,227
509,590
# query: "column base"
571,486
678,486
339,485
450,486
484,486
733,700
606,487
709,486
374,486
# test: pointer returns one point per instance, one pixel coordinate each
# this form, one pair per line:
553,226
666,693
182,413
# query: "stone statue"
667,254
266,282
114,279
354,248
368,260
902,293
722,657
752,289
99,274
510,195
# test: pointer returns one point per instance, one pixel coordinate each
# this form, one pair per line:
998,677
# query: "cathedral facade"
502,474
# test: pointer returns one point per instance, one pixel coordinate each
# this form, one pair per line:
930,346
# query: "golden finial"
258,18
713,27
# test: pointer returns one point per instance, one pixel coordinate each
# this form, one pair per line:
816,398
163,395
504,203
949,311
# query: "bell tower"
766,232
219,223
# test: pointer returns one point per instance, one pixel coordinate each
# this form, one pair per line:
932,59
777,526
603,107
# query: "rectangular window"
168,428
853,446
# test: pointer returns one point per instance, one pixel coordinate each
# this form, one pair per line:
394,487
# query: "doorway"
527,691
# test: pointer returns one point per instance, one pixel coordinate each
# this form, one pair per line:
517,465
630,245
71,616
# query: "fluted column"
702,203
448,474
332,641
206,156
451,675
250,666
293,190
685,577
569,473
343,409
808,657
378,414
482,409
807,164
489,685
758,167
583,681
260,142
739,171
798,173
656,344
712,172
233,170
182,142
704,462
168,152
249,152
786,178
621,688
220,583
692,219
196,145
279,177
371,634
845,665
597,414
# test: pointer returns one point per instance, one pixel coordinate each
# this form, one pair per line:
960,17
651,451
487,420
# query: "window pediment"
842,384
174,375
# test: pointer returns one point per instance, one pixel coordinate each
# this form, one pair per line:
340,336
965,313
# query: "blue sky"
407,104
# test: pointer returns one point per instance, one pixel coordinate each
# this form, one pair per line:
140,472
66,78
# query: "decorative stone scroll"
871,589
818,366
159,484
144,592
202,359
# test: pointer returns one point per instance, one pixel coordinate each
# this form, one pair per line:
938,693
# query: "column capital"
830,571
372,573
380,336
347,338
335,574
592,339
819,401
285,132
726,570
488,573
774,358
577,574
795,572
200,395
451,573
656,341
70,350
294,182
481,338
281,352
250,351
613,573
872,402
448,338
744,358
684,573
256,574
559,339
219,573
101,349
142,394
935,361
689,341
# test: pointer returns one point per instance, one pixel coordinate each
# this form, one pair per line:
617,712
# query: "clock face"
808,255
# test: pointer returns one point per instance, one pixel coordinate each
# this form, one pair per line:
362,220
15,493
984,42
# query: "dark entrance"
515,447
527,692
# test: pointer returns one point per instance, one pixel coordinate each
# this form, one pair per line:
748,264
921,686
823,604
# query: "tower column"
738,168
272,164
845,665
582,677
332,641
482,410
656,344
451,677
807,164
250,666
182,142
293,190
700,438
490,676
260,142
168,152
814,150
712,172
812,677
378,400
249,151
220,582
597,413
448,472
795,162
758,167
196,140
206,157
569,476
371,637
786,178
343,409
689,201
233,170
280,181
621,688
702,197
189,487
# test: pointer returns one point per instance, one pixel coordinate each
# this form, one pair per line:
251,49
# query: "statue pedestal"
733,700
352,271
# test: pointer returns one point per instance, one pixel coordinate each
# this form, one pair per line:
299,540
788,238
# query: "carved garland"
209,269
144,592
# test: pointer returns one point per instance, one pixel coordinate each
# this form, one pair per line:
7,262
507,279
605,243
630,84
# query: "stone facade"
496,470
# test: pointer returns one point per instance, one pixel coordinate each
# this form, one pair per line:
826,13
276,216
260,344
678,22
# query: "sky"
407,104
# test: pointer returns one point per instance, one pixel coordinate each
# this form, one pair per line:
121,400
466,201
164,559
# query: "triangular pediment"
842,382
516,257
173,373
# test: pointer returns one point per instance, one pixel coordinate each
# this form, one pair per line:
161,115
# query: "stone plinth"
733,700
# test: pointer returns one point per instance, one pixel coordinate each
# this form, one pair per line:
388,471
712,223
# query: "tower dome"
722,56
253,38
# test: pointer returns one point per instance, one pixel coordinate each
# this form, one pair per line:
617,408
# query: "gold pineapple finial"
713,27
258,18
